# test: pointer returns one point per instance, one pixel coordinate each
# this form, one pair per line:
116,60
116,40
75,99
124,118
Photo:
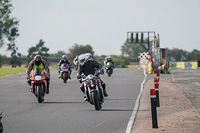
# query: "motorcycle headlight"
91,83
38,78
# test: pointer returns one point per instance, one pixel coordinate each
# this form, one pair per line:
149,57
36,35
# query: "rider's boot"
70,71
104,90
29,82
59,74
47,92
83,90
69,75
85,98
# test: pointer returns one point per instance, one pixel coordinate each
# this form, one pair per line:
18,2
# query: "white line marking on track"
137,103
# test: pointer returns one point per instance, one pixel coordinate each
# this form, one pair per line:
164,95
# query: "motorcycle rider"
38,62
75,62
108,59
64,60
87,67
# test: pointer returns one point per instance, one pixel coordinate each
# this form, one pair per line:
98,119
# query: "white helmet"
82,59
89,55
109,58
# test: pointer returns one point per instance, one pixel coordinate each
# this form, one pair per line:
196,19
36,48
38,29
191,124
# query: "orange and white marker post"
153,108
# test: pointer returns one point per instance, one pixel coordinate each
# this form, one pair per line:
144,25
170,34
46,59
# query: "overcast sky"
104,23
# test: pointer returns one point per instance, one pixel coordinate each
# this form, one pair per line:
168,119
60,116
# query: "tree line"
129,51
176,54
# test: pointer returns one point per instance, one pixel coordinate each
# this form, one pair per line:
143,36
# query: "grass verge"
8,71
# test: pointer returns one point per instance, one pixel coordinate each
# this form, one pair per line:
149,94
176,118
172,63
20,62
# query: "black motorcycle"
109,68
93,90
1,125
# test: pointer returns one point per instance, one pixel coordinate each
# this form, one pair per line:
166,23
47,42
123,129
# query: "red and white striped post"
156,79
156,86
153,108
158,75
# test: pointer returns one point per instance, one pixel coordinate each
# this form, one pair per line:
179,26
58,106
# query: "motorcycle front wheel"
95,100
1,127
65,78
39,94
109,72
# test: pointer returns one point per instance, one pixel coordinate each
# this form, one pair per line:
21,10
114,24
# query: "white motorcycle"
64,72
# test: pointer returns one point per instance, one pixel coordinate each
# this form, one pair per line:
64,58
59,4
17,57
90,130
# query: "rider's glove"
78,76
102,71
28,78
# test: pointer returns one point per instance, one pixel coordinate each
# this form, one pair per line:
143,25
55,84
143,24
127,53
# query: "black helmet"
38,60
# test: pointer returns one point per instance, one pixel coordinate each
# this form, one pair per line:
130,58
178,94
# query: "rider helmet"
37,60
89,55
109,58
64,57
82,59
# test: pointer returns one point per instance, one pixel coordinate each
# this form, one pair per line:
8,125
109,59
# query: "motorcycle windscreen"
64,65
37,71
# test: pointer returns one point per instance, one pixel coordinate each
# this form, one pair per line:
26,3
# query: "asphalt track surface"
64,110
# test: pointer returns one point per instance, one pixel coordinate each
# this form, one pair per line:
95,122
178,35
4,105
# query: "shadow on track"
119,99
116,110
61,102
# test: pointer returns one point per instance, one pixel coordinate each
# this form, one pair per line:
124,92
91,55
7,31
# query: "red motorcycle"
38,84
64,72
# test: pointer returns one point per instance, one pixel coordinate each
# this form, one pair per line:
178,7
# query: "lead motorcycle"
1,125
109,68
93,90
38,84
64,72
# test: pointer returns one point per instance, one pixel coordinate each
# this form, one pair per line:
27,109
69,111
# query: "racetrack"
64,110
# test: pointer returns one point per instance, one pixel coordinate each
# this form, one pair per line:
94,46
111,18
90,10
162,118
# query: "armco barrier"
184,65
